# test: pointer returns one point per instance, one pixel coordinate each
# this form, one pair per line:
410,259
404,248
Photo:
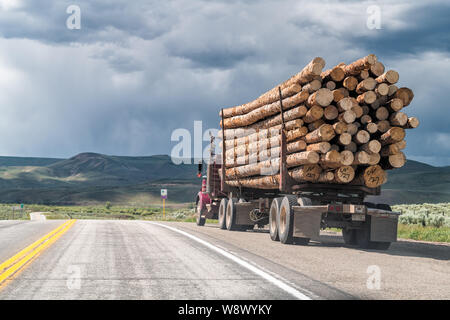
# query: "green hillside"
92,177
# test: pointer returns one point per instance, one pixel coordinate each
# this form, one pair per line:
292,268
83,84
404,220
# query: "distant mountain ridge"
89,176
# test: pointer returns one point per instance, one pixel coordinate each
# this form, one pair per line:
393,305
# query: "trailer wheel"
230,216
200,211
285,219
222,213
273,218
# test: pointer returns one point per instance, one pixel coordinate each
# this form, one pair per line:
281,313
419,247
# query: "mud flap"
306,224
383,229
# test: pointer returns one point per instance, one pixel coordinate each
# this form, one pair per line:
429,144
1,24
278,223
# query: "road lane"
18,234
134,260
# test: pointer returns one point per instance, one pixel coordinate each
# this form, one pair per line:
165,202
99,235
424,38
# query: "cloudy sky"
138,70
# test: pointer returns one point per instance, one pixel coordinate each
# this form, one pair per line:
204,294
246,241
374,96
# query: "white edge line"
280,284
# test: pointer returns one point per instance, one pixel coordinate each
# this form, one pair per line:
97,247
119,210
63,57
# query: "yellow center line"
20,254
13,264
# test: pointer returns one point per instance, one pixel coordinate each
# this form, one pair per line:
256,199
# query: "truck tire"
285,219
349,236
222,213
274,212
230,216
200,220
363,238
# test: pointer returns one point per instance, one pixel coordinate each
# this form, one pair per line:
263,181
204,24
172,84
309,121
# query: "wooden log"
315,125
292,114
361,158
390,149
374,158
347,116
382,89
337,95
356,67
368,84
390,77
358,110
401,144
323,134
312,86
393,135
361,137
365,119
326,177
330,112
313,114
412,123
264,111
267,182
373,146
340,127
309,73
335,74
344,139
301,158
364,74
351,147
377,69
309,173
320,147
237,133
344,174
395,105
367,97
371,177
346,104
398,119
392,90
296,146
383,126
263,100
332,159
393,161
350,83
322,97
347,157
262,153
352,128
382,113
295,134
330,85
404,94
271,166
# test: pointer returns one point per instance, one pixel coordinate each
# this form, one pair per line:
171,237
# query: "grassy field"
426,222
175,212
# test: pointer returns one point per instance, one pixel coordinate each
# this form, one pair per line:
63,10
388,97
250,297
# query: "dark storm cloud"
137,70
428,29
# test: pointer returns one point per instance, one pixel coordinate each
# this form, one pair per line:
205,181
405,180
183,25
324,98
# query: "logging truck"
296,212
304,156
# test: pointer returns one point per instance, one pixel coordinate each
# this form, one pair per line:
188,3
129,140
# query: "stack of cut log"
345,125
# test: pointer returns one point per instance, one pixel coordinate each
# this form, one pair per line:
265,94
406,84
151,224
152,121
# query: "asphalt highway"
101,259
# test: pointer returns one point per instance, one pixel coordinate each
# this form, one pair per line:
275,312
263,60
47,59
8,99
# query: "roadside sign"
163,193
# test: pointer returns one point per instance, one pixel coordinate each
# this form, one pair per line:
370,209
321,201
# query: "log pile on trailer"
344,125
